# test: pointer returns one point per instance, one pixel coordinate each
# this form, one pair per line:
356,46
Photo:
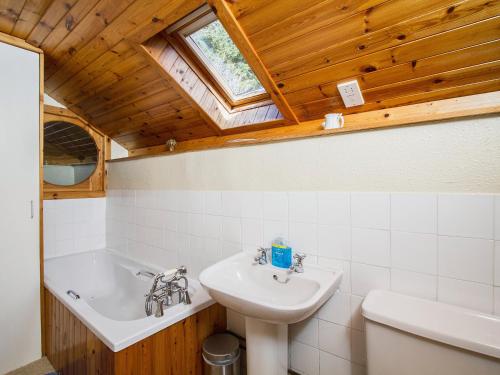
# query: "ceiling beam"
237,34
465,106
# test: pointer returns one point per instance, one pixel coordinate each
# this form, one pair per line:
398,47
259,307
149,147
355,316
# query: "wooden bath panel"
176,350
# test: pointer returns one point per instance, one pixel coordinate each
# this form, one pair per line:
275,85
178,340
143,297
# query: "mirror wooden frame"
95,185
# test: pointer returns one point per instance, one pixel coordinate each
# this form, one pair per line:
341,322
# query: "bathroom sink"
270,298
268,293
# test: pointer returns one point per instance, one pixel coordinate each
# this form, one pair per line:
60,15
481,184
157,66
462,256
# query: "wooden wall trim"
72,348
234,29
472,105
17,42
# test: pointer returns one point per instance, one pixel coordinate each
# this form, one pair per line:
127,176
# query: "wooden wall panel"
73,349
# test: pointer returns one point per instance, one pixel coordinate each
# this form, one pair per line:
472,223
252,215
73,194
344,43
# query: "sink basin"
270,298
251,289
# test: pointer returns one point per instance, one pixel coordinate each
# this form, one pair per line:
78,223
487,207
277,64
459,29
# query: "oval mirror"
70,154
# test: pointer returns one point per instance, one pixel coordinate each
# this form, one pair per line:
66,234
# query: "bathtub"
111,302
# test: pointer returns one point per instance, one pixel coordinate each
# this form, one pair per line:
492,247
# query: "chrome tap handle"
298,262
262,256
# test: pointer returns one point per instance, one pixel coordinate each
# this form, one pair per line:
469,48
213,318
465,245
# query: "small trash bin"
221,354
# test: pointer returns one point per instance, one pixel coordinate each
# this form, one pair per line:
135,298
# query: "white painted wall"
452,156
20,338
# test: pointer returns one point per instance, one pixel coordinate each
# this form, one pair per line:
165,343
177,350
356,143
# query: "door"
20,341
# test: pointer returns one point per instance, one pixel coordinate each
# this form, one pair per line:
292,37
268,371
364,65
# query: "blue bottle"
281,254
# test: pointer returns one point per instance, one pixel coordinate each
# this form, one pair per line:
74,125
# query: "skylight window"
217,50
218,57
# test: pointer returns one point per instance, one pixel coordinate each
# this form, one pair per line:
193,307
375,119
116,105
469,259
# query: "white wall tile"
371,246
365,278
305,331
497,263
253,232
337,309
497,217
358,347
231,203
251,204
275,206
335,339
303,207
414,283
334,241
304,358
304,237
213,203
231,229
414,251
334,208
497,300
465,215
146,198
333,365
357,320
235,322
466,258
465,293
335,264
411,212
370,210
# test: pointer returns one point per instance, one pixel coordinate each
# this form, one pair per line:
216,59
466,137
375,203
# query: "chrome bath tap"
167,291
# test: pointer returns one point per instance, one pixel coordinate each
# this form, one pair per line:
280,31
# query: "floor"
39,367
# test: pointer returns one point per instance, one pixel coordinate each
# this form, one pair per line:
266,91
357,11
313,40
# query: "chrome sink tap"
298,263
262,256
166,291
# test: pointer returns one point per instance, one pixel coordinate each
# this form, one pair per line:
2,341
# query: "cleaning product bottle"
281,253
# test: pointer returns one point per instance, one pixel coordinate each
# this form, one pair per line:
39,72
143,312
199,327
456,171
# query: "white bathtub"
112,298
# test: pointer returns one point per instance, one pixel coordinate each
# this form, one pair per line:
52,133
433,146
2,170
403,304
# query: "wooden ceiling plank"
316,110
429,66
10,11
133,19
465,13
382,16
239,37
67,24
121,88
311,18
177,87
470,35
32,11
85,33
401,116
109,75
255,17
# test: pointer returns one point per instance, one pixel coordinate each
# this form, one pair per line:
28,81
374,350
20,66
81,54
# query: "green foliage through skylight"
225,58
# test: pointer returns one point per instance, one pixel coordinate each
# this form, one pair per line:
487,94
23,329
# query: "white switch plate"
351,93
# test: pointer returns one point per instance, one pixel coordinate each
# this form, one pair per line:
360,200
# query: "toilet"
411,336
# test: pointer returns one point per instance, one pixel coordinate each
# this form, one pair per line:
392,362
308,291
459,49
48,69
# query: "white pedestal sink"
270,299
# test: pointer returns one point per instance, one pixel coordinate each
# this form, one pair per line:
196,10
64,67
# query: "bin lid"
221,348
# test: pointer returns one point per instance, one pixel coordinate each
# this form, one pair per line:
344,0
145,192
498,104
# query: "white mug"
333,121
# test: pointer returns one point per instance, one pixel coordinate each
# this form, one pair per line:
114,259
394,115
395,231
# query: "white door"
20,341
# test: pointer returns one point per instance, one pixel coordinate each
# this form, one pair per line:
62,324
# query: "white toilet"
412,336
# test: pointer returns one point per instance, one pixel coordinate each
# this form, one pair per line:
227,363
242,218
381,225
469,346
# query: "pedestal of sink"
267,347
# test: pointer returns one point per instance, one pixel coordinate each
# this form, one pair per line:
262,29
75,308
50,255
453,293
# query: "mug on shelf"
333,121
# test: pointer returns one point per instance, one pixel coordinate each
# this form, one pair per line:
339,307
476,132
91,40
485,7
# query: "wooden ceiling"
401,51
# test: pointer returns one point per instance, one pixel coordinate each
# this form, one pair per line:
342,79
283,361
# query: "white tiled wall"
436,246
73,225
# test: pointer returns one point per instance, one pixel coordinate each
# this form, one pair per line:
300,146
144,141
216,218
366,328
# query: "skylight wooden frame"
178,37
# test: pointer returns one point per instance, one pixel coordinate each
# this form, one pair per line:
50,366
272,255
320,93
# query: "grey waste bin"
221,354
